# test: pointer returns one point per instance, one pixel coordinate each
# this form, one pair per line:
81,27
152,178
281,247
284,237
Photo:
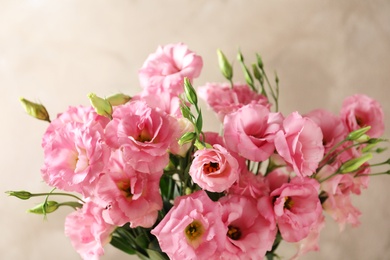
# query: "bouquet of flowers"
142,175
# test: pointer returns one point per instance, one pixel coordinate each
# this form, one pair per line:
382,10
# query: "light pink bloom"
224,99
168,66
163,100
128,195
300,144
250,131
183,125
359,111
333,129
192,229
214,169
87,230
310,243
249,184
338,190
75,157
143,134
297,208
277,178
250,232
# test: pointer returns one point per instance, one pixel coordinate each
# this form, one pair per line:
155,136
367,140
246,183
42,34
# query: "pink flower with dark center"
167,67
250,132
75,157
192,229
359,111
87,230
214,169
251,232
143,134
224,99
128,195
297,208
299,143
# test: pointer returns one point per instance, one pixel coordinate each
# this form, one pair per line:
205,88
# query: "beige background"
56,52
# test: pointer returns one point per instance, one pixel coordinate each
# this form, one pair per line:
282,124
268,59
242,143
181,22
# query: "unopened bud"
224,65
35,110
118,99
23,195
190,92
45,207
354,164
101,105
187,137
355,135
259,61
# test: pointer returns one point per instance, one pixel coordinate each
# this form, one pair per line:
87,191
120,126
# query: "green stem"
56,194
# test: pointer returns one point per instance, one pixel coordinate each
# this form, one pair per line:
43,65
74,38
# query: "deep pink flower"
359,111
333,129
297,208
250,131
87,230
300,144
192,229
250,232
214,169
167,67
143,134
75,157
128,195
224,99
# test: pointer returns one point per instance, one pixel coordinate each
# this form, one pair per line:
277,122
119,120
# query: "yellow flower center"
194,231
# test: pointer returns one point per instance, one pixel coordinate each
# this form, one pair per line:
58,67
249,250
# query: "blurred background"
56,52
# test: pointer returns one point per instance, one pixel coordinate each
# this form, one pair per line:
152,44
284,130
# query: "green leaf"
156,255
199,122
122,245
187,137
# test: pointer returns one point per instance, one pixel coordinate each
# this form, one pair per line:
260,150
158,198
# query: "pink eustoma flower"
249,184
87,230
214,169
251,232
143,134
128,195
75,157
297,208
299,143
250,131
192,229
225,99
166,69
359,111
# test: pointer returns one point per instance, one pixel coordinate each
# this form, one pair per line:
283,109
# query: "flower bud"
354,164
35,110
224,65
101,105
187,137
23,195
45,207
118,99
259,61
190,92
355,135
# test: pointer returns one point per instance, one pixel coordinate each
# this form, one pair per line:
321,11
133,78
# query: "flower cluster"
152,183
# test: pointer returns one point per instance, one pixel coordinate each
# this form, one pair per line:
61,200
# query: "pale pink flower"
300,144
311,242
214,169
163,100
168,66
359,111
249,184
183,125
128,195
143,134
297,208
333,129
250,232
277,178
250,131
192,229
225,99
75,157
87,230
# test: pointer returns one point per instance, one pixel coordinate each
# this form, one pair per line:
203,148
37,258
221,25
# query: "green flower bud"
355,135
23,195
224,65
186,138
190,92
256,73
101,105
259,61
44,208
118,99
354,164
35,110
